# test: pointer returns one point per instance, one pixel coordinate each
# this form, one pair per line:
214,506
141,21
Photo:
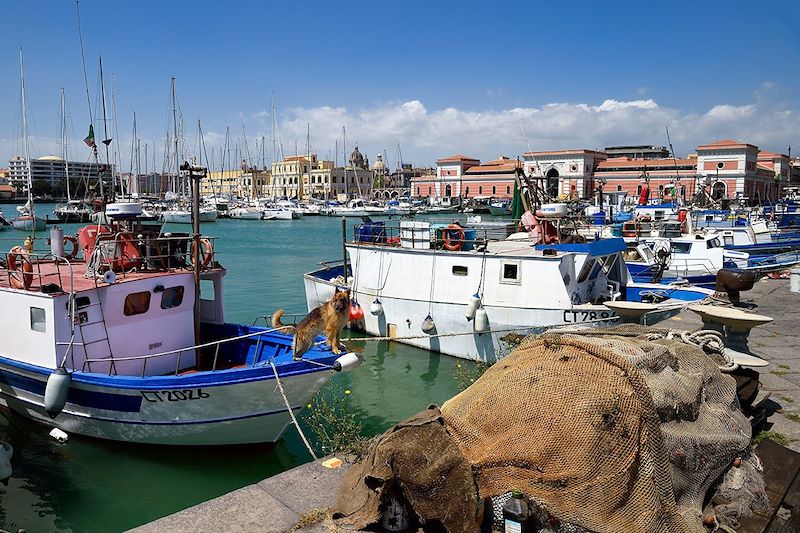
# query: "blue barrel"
469,238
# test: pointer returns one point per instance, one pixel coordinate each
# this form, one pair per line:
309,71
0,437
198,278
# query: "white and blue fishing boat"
106,339
454,291
693,258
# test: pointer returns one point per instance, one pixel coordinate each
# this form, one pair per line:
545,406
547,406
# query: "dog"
329,317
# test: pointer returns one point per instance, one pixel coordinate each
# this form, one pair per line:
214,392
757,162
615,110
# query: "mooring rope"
710,341
291,413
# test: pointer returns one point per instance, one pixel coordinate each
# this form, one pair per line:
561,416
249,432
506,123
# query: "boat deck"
51,278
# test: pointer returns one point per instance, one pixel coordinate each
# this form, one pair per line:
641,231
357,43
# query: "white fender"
347,362
56,391
472,305
481,320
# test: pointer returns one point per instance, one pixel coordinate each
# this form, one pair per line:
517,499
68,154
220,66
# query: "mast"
106,139
175,134
64,142
117,159
25,131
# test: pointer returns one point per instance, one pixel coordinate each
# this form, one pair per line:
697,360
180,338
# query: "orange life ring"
22,278
451,243
207,251
74,252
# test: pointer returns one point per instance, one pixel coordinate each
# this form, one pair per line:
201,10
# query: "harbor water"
92,485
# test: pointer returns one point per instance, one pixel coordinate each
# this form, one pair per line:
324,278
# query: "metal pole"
344,248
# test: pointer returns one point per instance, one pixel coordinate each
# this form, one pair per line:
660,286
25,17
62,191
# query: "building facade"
53,170
567,172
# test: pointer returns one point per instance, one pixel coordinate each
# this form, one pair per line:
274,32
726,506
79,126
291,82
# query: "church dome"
379,164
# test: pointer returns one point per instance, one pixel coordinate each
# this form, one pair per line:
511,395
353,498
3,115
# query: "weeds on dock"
465,373
334,423
774,436
314,516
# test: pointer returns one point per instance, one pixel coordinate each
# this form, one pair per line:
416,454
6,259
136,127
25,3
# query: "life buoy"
207,251
20,275
73,253
450,242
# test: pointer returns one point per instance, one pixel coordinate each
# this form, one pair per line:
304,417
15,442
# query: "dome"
50,158
379,164
356,159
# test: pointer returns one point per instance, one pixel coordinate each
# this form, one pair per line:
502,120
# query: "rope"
291,413
710,341
529,328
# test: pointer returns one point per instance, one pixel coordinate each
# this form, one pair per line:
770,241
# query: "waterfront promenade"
287,501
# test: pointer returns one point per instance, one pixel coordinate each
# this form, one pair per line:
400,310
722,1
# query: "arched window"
619,188
494,189
480,189
448,190
683,191
430,190
639,190
508,189
417,191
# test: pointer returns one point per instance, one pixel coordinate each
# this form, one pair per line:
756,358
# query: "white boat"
27,222
245,213
309,208
114,355
413,290
184,216
695,258
279,212
354,208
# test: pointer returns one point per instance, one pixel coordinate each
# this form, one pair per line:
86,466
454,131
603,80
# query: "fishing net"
621,429
608,430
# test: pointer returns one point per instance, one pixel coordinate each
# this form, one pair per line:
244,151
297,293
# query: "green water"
91,485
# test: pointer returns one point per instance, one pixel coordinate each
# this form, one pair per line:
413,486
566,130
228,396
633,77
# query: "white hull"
280,214
28,224
245,214
185,217
188,414
348,212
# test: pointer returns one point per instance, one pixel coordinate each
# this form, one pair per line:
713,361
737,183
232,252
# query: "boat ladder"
96,337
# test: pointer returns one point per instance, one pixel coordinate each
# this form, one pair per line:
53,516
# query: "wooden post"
344,249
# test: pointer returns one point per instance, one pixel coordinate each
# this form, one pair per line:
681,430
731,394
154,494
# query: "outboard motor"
731,281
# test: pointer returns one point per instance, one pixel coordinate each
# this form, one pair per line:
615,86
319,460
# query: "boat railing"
452,236
110,361
40,270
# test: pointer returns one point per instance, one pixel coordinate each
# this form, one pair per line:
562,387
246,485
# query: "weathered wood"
792,503
781,466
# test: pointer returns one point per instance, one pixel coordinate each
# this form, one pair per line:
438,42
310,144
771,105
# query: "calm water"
90,485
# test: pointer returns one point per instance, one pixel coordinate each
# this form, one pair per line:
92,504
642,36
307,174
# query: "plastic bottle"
517,516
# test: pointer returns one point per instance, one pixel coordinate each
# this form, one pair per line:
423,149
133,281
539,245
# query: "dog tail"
278,324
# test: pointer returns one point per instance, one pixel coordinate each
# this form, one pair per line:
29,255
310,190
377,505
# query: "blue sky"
435,77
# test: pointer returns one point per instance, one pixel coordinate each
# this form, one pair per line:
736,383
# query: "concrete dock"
293,500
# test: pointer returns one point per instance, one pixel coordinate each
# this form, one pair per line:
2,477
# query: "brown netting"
616,429
608,430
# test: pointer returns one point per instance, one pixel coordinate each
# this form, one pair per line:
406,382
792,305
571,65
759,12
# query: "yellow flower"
347,391
309,406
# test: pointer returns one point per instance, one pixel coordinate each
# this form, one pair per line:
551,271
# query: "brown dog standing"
329,317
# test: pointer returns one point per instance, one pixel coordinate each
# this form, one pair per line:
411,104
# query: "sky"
433,78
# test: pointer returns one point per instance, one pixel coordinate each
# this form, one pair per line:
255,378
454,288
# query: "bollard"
794,280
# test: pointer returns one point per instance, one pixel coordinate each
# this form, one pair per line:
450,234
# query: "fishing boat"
694,258
452,291
122,336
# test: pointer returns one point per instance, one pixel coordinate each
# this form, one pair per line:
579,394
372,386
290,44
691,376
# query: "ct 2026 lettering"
174,395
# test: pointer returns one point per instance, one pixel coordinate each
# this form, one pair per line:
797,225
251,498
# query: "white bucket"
794,280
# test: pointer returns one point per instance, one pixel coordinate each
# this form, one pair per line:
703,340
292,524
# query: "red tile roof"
7,188
763,154
565,152
456,158
726,143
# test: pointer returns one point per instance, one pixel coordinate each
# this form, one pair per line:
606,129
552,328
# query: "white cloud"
426,134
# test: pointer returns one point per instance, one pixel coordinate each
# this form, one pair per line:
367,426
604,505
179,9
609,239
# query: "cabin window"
207,290
137,303
728,240
82,302
586,270
172,297
509,272
459,270
681,247
38,319
713,243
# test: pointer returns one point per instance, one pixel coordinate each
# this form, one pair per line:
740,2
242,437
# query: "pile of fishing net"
621,429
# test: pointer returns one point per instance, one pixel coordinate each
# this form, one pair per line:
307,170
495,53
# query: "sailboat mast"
117,159
106,140
175,133
64,154
25,129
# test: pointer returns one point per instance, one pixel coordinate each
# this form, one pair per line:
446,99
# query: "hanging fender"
20,268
